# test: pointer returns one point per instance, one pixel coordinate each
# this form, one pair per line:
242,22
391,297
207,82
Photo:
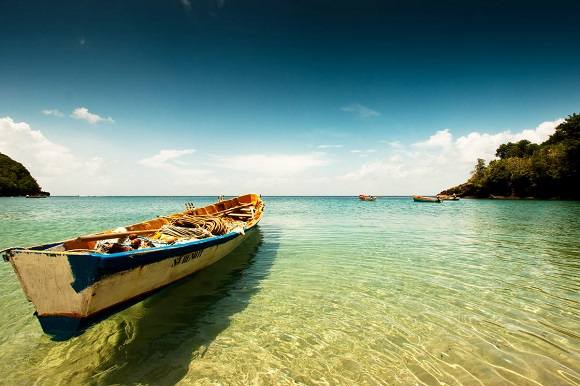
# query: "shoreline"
515,198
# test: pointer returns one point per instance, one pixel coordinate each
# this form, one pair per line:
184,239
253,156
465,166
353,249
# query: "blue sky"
316,97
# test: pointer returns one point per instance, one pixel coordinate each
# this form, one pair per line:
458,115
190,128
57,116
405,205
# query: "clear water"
329,291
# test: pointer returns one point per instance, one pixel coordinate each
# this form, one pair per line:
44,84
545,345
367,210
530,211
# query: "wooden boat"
444,197
366,197
37,196
425,199
74,282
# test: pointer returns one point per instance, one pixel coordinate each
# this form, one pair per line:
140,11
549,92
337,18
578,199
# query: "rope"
183,232
198,227
214,225
182,227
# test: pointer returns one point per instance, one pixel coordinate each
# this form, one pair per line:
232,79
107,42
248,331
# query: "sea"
327,291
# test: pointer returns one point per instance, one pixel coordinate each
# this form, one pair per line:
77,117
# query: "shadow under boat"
159,345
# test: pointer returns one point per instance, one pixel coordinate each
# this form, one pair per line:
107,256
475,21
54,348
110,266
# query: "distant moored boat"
445,197
39,195
76,281
425,199
366,197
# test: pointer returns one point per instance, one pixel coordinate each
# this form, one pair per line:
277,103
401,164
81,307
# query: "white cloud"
363,153
53,112
391,166
164,156
441,139
32,148
357,151
54,166
84,114
168,161
438,162
394,144
274,164
483,145
329,146
360,110
425,167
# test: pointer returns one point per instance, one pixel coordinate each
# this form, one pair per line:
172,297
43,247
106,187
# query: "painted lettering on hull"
186,258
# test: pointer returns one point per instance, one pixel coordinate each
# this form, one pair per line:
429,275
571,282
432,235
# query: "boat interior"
222,217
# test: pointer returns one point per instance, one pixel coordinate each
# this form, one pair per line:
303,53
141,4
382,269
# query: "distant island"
529,170
15,179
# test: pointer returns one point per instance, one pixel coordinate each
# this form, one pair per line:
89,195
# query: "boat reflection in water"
182,321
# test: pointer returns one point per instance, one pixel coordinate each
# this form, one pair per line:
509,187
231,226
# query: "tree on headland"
15,179
523,148
568,131
479,169
525,169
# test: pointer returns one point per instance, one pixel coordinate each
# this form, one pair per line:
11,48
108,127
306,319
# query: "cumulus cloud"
274,164
54,165
53,112
441,139
439,161
483,145
84,114
32,148
360,110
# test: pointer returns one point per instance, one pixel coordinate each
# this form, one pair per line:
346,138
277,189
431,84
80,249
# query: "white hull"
58,297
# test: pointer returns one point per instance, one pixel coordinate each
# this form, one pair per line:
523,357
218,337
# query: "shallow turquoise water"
328,291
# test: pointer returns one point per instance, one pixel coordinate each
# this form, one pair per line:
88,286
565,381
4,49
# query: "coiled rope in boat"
199,227
184,227
214,225
183,232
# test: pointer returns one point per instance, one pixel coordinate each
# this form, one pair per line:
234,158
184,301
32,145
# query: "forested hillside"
15,180
524,169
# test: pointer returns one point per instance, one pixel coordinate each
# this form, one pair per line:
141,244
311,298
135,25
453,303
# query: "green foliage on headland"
15,180
524,169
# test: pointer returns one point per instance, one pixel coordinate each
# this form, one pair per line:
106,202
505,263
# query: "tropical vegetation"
525,169
15,179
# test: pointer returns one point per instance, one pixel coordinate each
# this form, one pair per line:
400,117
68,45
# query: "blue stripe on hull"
90,268
62,327
118,262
